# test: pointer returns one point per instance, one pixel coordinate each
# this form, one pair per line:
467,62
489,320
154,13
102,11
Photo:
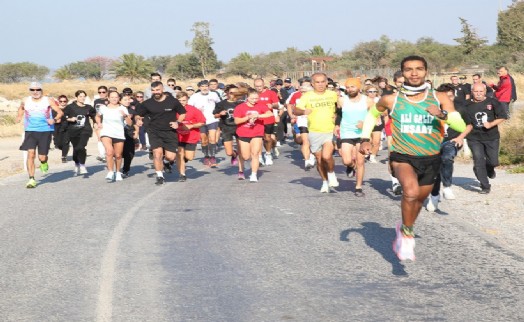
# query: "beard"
158,96
353,94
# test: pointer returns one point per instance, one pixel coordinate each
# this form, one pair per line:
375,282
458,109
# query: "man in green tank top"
417,114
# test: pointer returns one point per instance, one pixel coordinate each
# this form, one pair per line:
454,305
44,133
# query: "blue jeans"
448,152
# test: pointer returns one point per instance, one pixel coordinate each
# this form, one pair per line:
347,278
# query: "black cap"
287,80
127,90
279,82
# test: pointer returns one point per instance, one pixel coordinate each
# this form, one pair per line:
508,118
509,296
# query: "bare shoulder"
386,102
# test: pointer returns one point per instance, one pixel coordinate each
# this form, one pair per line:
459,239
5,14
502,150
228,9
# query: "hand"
336,131
72,119
487,125
222,113
51,121
434,110
99,125
458,141
360,124
174,125
365,148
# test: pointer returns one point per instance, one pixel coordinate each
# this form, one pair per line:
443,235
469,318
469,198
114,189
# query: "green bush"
7,119
511,142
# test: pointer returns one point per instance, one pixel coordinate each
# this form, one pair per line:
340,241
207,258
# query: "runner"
205,101
35,110
224,111
164,112
60,132
351,113
99,102
131,134
188,134
414,152
270,99
110,120
79,129
250,129
320,106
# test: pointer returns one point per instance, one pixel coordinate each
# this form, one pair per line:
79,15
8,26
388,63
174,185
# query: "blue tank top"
352,114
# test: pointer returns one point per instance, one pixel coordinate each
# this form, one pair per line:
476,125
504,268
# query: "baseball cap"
127,90
35,85
287,80
279,82
221,85
190,88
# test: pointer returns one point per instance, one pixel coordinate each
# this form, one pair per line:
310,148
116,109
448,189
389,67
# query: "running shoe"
404,246
110,176
76,170
261,161
432,204
82,169
99,158
484,191
253,177
182,178
64,160
350,171
213,162
324,188
269,159
308,165
44,167
160,181
397,189
448,193
359,192
31,183
491,173
151,157
206,161
275,152
118,176
167,167
125,174
234,159
241,175
372,159
332,180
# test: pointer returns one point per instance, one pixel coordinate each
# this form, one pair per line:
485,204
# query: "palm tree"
133,67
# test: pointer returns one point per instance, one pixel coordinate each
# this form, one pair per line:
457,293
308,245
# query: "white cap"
35,85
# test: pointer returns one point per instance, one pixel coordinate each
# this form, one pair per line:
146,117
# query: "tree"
318,51
201,48
160,63
17,72
184,66
372,54
132,66
243,65
470,41
510,27
103,65
63,73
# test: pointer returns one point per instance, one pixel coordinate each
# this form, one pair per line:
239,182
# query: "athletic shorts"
351,141
248,140
32,140
303,129
187,146
113,139
228,133
427,168
270,129
317,140
209,127
378,128
163,139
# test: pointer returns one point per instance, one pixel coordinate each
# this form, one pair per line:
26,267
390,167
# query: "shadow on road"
379,239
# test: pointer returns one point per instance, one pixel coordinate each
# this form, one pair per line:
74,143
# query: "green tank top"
415,131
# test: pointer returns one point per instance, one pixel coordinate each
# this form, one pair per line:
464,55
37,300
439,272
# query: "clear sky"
54,33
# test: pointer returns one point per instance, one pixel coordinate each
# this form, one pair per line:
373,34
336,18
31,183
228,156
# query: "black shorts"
209,127
248,140
351,141
303,129
32,140
270,129
378,128
228,133
163,139
187,146
427,168
113,140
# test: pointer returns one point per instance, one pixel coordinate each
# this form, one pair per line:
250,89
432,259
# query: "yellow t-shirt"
323,106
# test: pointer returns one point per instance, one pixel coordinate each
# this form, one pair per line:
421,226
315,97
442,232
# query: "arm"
453,118
58,111
371,118
21,110
98,119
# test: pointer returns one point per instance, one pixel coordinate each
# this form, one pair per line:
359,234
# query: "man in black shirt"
164,112
461,92
482,116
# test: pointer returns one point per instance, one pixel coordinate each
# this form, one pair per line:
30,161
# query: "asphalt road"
218,249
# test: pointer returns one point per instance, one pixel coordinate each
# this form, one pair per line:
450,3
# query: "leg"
158,159
110,153
31,154
181,162
479,163
118,149
255,147
360,165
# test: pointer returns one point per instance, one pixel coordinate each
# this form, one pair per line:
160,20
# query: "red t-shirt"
503,89
193,116
268,96
295,97
250,130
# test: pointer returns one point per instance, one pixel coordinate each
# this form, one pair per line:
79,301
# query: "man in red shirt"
270,99
505,90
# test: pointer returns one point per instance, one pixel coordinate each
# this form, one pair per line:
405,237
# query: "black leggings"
79,147
128,154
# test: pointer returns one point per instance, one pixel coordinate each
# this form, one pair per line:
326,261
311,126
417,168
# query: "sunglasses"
102,92
62,101
372,92
35,90
139,96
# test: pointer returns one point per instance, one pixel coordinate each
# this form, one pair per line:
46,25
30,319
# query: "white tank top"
36,114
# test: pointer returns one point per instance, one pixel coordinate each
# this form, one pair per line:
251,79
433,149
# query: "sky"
54,33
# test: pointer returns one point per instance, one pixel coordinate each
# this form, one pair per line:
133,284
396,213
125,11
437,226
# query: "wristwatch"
444,115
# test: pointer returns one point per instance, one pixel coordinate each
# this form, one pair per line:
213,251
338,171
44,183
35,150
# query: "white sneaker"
261,160
325,187
372,159
448,193
118,176
253,177
308,165
432,204
332,180
276,152
109,176
76,170
82,170
312,159
278,144
269,159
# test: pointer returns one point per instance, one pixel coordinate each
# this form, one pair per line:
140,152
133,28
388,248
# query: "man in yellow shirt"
320,107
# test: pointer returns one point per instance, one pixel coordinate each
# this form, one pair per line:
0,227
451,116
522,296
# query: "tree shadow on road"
469,184
383,187
380,239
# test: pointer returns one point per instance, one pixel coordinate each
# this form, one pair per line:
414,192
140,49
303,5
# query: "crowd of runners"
423,128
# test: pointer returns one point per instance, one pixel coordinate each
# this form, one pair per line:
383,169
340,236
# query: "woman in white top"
110,119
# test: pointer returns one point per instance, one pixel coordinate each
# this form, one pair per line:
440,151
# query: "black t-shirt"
226,120
450,133
460,94
161,113
99,102
476,113
82,114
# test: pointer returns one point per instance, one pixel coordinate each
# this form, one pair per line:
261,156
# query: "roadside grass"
9,127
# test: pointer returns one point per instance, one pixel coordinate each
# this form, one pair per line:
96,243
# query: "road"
218,249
